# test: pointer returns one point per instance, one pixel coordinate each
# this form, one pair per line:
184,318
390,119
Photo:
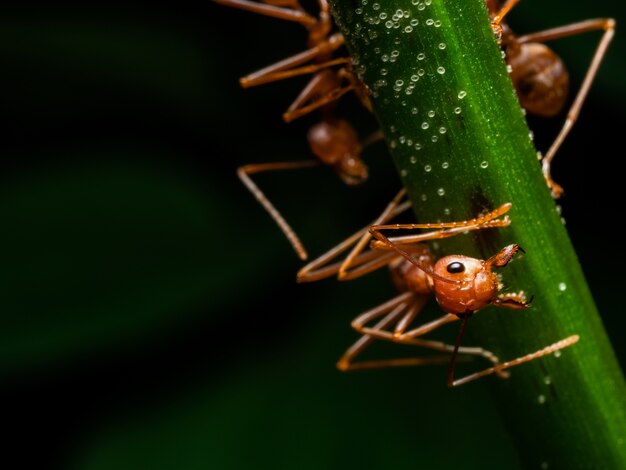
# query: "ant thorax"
406,276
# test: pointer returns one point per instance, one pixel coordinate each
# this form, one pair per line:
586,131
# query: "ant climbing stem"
461,286
333,141
540,77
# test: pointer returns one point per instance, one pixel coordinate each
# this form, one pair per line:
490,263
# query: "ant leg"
512,300
502,257
393,309
361,263
504,10
393,208
295,4
319,269
410,337
323,6
378,332
374,137
326,88
515,362
325,47
406,303
346,364
272,9
293,72
606,24
332,96
362,92
322,90
397,307
443,229
244,173
330,88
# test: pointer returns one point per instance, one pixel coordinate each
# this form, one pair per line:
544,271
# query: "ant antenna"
457,344
384,240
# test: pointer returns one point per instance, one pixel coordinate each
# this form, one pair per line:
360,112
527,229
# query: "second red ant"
461,286
539,76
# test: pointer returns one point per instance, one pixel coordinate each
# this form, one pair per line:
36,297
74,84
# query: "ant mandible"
332,140
540,77
461,286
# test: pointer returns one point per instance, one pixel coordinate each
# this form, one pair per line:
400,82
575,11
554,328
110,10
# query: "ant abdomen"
335,143
540,78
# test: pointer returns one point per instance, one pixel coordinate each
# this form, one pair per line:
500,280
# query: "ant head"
539,77
463,285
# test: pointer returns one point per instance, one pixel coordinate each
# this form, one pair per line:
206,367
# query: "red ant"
461,285
333,141
540,77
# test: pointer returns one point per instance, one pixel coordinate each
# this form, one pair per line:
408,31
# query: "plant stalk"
459,139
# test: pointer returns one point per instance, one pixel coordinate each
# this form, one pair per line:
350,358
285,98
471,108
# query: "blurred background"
150,314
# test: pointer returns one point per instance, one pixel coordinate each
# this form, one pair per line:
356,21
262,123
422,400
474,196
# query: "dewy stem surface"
442,95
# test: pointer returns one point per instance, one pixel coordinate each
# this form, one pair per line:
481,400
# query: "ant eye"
455,267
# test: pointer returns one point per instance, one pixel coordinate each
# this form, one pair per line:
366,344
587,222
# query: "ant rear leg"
286,73
409,312
323,48
324,88
275,9
400,315
515,362
320,269
357,263
244,173
413,337
396,308
606,24
350,268
295,4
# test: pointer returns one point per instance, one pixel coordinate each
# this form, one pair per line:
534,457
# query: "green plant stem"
442,95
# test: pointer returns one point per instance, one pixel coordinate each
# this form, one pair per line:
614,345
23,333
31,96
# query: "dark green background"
150,315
